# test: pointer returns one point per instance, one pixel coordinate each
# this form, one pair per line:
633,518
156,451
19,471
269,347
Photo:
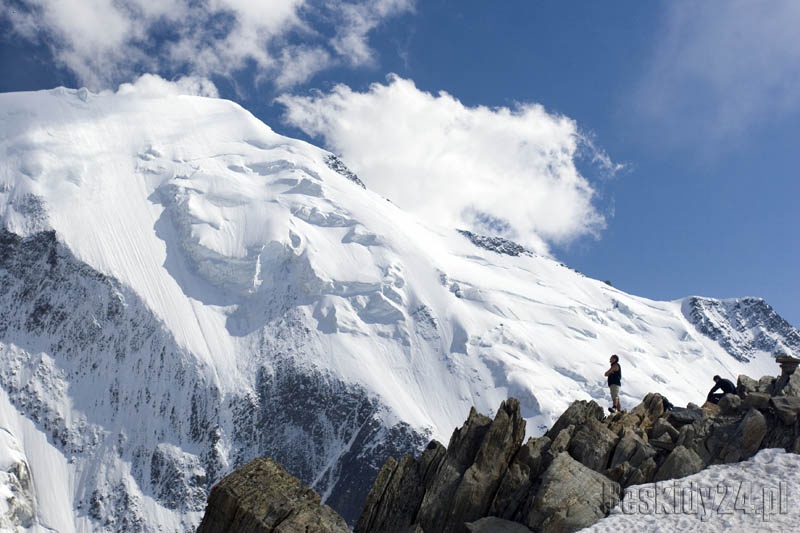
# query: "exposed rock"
571,497
787,408
732,440
496,244
664,442
710,410
337,165
20,500
298,444
729,404
491,524
477,486
486,472
631,449
793,386
681,462
650,410
592,444
757,400
397,493
746,330
645,473
527,466
172,446
788,366
766,384
632,461
660,427
748,437
262,497
444,490
619,421
571,477
561,441
576,415
746,385
681,416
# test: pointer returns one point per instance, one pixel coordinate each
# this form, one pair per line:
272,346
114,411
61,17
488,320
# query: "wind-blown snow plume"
501,171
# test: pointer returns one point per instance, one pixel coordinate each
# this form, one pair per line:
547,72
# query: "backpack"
666,403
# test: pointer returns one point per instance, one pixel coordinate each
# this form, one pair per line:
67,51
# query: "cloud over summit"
498,171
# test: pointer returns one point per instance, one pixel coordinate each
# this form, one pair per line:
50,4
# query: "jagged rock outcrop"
18,504
495,244
574,474
486,471
742,327
571,497
488,480
261,497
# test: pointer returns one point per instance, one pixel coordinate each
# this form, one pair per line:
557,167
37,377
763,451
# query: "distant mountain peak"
744,327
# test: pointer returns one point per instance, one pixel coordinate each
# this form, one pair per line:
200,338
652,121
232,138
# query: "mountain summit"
183,290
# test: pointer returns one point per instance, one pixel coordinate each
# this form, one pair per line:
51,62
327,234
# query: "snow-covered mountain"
182,289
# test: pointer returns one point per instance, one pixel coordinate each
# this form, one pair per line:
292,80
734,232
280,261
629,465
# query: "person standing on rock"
725,385
614,375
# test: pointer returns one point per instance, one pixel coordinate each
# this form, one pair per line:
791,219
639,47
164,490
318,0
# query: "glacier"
184,289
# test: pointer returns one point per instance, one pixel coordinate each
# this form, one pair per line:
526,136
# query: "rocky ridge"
487,480
743,327
574,474
495,244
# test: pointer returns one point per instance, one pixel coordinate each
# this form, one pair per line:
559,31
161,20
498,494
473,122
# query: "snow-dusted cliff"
183,290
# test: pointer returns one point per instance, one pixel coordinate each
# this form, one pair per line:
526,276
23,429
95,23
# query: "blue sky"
652,144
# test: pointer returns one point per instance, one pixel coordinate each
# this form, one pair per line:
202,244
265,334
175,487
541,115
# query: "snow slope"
756,495
185,289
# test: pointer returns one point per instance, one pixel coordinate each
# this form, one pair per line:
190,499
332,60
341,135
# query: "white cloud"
107,41
721,68
152,86
360,20
508,172
300,63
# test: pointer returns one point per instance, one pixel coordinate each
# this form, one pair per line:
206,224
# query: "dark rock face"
571,497
572,476
261,497
338,166
681,462
742,327
302,435
495,244
786,407
92,333
491,524
486,471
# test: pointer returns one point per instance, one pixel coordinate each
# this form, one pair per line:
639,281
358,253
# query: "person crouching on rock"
614,374
723,384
